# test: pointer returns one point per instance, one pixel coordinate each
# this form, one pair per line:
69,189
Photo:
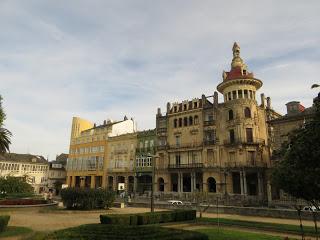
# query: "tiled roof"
16,157
236,73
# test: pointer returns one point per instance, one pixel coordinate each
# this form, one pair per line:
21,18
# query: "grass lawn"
119,232
15,231
285,228
224,234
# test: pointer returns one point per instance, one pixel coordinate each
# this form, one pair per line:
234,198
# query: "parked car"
175,202
309,208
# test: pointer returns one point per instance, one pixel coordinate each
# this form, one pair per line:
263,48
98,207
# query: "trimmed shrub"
4,222
149,218
125,232
119,219
86,198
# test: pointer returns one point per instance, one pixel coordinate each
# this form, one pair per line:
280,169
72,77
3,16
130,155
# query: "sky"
106,59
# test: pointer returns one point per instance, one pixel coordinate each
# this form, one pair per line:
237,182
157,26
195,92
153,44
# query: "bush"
14,185
119,219
148,218
4,222
111,232
86,198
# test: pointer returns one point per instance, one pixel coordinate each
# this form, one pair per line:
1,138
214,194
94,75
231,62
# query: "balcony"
209,142
185,166
248,164
255,141
161,131
185,145
162,147
209,123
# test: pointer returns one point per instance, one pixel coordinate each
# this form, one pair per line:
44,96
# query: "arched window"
230,115
196,119
161,185
175,123
247,112
190,120
212,186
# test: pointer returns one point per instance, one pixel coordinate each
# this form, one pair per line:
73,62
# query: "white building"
34,168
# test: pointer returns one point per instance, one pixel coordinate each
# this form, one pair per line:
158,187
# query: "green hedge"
4,222
122,232
86,198
148,218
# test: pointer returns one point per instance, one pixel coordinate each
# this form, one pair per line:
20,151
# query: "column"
93,182
192,182
104,181
241,183
115,183
245,183
269,192
82,181
126,185
135,184
180,182
260,186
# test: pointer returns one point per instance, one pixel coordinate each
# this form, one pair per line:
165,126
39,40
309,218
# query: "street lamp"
153,157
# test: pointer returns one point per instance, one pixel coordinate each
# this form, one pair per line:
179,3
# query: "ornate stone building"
207,146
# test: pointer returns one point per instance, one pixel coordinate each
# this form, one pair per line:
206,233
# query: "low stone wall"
245,211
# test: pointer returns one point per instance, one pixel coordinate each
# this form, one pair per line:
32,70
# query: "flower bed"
22,202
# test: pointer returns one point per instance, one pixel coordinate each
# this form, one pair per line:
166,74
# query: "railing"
162,147
255,141
185,145
209,123
245,164
187,165
209,142
122,151
161,130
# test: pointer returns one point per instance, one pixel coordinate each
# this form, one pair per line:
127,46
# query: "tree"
298,173
14,186
5,134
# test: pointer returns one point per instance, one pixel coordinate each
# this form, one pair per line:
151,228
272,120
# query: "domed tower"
242,131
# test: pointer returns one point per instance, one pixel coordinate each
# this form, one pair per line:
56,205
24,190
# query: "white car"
175,202
309,208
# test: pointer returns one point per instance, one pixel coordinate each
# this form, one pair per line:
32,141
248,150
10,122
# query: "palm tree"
5,141
5,134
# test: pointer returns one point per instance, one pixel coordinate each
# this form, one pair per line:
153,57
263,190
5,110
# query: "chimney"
159,112
215,99
203,98
168,107
94,125
263,100
268,102
104,122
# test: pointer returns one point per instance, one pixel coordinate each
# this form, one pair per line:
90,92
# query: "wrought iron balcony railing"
187,165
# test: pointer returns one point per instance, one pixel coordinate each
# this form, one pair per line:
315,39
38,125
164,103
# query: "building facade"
212,147
220,149
143,167
32,167
57,173
120,160
86,166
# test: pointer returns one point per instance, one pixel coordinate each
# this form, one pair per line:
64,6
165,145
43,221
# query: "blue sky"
107,59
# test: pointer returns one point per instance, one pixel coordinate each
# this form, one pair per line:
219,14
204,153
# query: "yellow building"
120,159
88,148
218,148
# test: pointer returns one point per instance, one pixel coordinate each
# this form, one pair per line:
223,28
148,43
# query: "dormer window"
195,104
185,107
175,108
244,72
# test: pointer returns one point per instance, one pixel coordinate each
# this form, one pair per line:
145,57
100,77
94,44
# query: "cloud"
107,59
